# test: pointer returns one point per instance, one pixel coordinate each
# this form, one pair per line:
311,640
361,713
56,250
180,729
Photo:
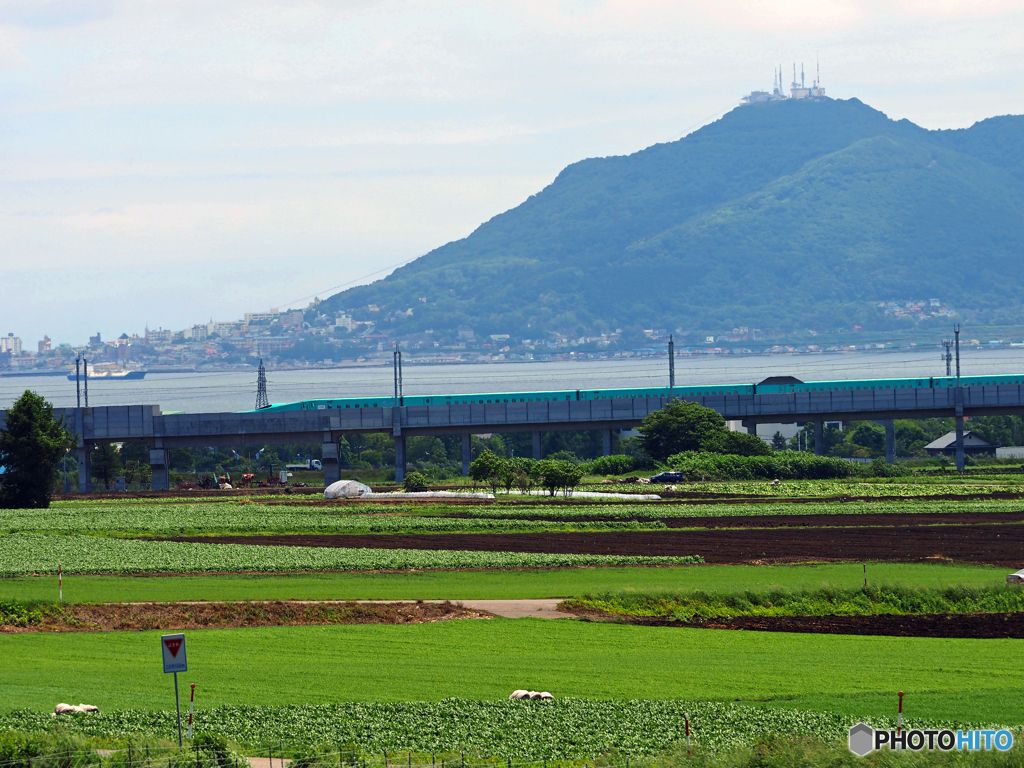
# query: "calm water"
235,391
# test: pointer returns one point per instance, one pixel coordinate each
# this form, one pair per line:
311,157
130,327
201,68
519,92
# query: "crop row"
561,729
753,509
826,488
27,553
190,519
867,601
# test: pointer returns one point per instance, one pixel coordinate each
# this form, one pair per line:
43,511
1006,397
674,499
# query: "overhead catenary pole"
958,399
671,367
956,335
399,397
85,370
947,356
78,385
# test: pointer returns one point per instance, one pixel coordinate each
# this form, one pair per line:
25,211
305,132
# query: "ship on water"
110,373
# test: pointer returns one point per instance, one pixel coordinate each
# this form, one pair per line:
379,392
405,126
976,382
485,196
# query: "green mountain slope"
784,215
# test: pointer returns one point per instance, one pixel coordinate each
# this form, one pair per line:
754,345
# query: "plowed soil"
114,617
1001,545
799,521
975,625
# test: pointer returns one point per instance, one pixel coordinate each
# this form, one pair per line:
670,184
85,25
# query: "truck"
305,463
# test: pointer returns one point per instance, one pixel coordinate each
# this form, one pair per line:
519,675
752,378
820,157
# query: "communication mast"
948,356
261,388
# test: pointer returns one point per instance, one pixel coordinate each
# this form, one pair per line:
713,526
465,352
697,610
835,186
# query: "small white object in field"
520,694
63,709
670,487
1015,578
776,481
535,695
545,695
644,481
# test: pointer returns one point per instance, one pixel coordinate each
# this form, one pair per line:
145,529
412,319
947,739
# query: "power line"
358,280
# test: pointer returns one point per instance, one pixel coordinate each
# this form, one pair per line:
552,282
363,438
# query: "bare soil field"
975,625
992,544
142,616
798,521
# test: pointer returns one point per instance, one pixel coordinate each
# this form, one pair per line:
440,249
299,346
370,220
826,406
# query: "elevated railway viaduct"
165,431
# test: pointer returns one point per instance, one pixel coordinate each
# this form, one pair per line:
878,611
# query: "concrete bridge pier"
159,465
959,443
331,464
958,402
536,445
819,438
84,469
467,453
890,440
606,442
399,458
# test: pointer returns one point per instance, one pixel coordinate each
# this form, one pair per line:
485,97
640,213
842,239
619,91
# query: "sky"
165,162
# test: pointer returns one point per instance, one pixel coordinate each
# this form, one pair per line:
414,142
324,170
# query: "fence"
218,755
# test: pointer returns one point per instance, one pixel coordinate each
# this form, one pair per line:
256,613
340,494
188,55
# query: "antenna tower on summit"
261,388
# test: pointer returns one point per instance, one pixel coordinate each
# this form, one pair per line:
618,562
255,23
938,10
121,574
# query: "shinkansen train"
777,385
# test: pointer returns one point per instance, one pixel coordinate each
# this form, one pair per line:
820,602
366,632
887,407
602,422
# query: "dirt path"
997,544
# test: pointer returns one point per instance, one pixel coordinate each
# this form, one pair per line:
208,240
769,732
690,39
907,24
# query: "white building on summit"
797,89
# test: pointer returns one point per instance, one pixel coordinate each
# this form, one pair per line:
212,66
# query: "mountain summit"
783,215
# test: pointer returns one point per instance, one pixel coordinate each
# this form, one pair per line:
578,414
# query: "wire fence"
219,755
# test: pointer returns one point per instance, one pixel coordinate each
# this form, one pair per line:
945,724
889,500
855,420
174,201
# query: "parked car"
667,477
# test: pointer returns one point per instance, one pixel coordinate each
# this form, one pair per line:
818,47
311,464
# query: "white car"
1015,578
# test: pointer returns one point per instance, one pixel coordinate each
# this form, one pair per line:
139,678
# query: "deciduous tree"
32,442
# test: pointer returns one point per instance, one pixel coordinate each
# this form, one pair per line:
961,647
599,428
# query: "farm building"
973,445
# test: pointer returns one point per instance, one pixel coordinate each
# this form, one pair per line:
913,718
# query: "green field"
479,662
479,585
975,680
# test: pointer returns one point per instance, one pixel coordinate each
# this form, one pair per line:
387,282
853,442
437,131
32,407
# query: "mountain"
783,216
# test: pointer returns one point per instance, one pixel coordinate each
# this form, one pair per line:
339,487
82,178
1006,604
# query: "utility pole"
947,356
85,368
958,399
261,388
671,367
78,385
399,398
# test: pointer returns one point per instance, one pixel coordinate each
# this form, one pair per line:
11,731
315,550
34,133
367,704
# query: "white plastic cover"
346,489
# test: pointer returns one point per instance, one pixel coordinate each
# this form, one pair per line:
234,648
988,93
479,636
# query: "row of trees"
554,475
866,439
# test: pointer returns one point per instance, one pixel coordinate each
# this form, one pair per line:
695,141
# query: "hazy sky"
167,162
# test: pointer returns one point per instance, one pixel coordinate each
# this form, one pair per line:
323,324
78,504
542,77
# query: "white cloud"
175,139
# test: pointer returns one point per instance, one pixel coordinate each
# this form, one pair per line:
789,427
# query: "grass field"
960,681
975,680
468,585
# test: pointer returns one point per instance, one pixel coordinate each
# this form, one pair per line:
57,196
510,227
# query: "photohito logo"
865,739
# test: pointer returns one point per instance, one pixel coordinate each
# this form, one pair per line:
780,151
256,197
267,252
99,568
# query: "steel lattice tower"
261,388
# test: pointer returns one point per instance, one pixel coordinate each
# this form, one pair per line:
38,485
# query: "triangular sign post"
173,647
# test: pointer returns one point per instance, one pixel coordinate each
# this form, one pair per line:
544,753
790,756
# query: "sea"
236,390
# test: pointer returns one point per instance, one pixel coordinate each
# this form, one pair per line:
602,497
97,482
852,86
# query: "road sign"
174,653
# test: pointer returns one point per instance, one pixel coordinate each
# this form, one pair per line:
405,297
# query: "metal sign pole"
177,703
175,661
